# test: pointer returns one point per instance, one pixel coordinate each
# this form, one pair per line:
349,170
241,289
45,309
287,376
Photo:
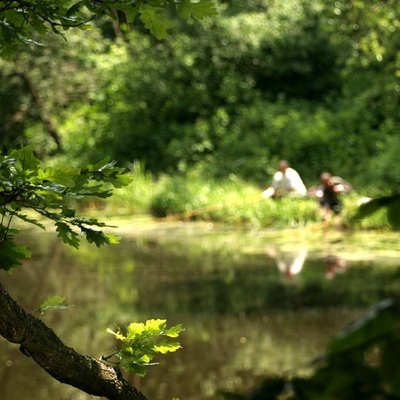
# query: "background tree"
308,81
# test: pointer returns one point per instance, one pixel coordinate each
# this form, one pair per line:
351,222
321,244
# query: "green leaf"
11,254
91,221
30,220
393,211
130,14
134,330
135,369
67,212
74,9
174,331
366,331
96,237
155,326
165,347
122,180
62,176
26,158
152,19
370,208
118,334
197,10
67,235
38,25
56,302
112,239
139,346
391,203
101,164
145,359
374,205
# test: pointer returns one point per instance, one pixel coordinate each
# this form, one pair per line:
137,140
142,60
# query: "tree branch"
62,362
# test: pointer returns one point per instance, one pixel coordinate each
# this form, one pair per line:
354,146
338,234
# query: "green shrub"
229,201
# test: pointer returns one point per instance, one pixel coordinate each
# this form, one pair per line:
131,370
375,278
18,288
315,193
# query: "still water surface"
252,303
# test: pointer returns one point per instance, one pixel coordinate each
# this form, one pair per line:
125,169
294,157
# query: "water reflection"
242,319
334,265
289,262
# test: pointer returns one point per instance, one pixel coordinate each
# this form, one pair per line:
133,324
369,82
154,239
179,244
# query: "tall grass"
231,200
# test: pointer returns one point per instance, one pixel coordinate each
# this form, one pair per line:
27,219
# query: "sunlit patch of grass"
378,220
230,201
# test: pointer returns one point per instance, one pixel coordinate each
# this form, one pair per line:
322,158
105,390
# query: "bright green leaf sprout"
141,342
56,302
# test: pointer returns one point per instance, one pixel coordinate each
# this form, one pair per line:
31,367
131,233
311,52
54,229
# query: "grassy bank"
229,201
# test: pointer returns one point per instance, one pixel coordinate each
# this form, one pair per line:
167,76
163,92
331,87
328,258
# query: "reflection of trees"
176,283
221,298
157,280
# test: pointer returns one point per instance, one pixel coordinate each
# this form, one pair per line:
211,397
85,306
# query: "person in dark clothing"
329,194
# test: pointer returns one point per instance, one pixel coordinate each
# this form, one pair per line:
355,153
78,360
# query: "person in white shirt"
285,181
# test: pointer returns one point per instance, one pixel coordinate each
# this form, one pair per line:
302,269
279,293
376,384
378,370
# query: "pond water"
253,302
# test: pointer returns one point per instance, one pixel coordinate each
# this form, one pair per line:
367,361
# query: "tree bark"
63,363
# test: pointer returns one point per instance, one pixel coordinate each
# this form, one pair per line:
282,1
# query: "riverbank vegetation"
311,82
231,201
209,111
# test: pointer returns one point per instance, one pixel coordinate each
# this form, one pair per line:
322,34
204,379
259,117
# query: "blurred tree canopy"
21,21
314,82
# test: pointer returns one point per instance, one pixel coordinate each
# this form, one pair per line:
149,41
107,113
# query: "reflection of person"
334,265
329,194
285,181
291,262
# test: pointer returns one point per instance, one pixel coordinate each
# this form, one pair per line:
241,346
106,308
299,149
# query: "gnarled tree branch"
62,362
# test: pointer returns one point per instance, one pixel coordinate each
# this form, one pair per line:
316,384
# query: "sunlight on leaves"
197,10
141,342
62,176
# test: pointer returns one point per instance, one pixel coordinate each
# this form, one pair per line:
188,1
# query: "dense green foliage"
25,185
309,81
21,21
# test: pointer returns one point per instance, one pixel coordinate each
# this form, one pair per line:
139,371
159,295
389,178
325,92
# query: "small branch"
9,6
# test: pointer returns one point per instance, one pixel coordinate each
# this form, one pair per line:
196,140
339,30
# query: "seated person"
285,181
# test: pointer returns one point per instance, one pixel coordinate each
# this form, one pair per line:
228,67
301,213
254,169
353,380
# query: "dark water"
250,305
